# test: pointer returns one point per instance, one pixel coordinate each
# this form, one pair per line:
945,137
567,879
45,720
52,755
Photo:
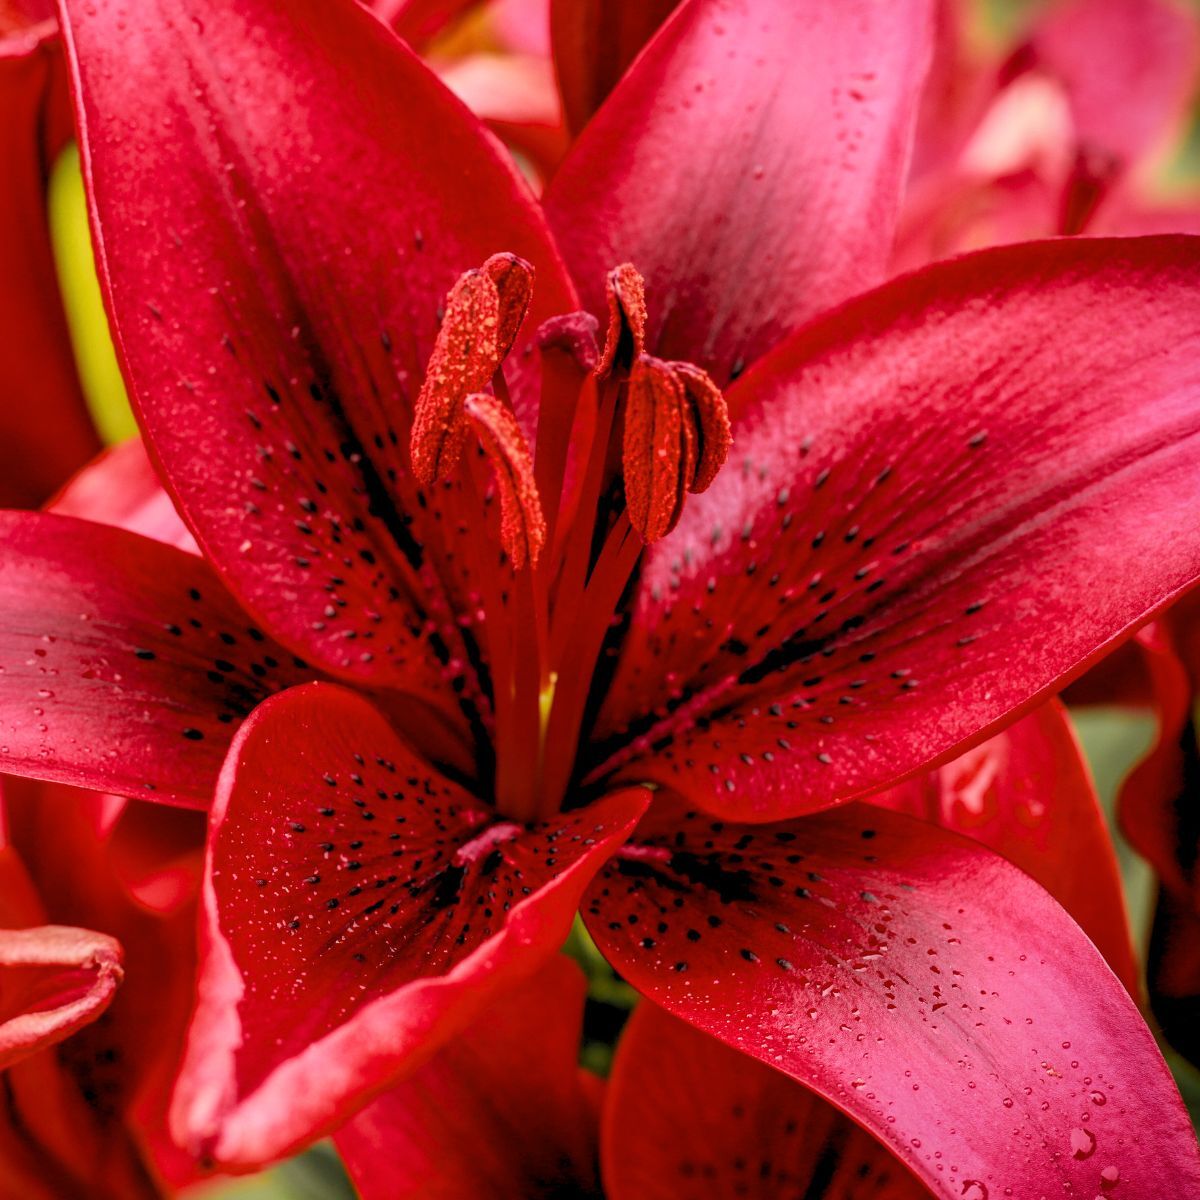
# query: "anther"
522,523
625,341
513,278
675,441
483,313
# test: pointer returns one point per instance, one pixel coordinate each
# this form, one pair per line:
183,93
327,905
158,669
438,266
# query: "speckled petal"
1027,794
275,295
359,909
945,500
914,979
688,1118
125,665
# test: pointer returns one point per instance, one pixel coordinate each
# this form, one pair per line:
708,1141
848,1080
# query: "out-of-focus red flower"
86,1116
523,605
45,430
1061,134
503,1110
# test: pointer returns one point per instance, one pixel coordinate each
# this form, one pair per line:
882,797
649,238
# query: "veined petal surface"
500,1111
688,1118
913,978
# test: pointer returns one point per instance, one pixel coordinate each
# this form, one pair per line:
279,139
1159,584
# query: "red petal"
1148,803
45,430
687,1118
928,522
749,165
500,1111
1026,793
120,487
515,94
126,664
359,910
916,980
594,42
1158,814
316,192
54,979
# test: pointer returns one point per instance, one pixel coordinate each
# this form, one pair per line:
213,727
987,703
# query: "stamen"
676,440
522,524
484,310
659,455
710,418
625,341
513,278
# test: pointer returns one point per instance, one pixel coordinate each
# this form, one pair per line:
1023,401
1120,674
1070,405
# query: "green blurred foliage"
95,358
317,1174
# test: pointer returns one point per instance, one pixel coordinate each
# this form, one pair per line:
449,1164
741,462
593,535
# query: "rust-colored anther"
658,454
710,419
513,278
484,311
676,439
465,357
625,341
522,523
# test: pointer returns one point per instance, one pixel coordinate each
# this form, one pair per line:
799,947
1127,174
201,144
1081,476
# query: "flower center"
622,438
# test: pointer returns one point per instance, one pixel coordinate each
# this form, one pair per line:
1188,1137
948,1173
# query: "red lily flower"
890,566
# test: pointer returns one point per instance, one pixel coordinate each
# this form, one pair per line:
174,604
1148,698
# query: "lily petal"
914,979
45,430
750,166
925,484
500,1111
688,1118
127,666
120,487
56,978
594,41
275,300
1148,807
359,909
1027,794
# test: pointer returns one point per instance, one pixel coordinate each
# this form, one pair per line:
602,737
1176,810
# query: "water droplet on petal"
1083,1143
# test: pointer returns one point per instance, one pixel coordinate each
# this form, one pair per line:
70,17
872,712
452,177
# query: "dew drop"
973,1189
1098,1098
1083,1143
